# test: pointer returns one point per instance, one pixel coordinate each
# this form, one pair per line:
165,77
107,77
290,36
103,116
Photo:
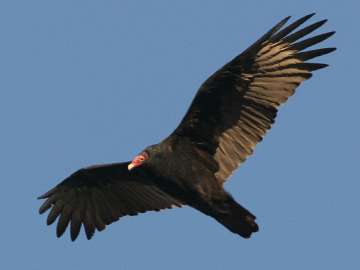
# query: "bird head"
139,160
149,155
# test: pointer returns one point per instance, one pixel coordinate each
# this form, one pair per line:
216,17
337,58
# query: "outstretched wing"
99,195
236,106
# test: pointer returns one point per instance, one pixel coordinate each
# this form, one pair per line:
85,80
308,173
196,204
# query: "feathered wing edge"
235,107
277,68
98,196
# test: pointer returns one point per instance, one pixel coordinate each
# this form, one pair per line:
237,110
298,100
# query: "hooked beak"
131,166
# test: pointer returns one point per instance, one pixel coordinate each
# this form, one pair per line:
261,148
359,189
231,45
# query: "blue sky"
86,82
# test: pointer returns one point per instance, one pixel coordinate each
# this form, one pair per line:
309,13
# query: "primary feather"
237,105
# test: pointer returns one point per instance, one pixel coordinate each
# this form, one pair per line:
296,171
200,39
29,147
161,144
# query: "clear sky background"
86,82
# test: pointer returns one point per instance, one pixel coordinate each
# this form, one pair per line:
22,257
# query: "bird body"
229,115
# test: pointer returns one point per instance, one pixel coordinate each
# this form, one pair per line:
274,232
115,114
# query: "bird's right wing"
237,105
99,195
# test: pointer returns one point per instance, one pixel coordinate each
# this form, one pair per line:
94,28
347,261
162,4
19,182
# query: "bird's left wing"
236,106
99,195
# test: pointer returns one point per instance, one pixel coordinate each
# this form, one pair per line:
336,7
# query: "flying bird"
230,114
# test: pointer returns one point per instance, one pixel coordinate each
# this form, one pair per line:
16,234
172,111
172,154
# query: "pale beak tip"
130,166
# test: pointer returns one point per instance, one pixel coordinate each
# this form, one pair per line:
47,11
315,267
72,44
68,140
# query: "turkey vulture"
229,115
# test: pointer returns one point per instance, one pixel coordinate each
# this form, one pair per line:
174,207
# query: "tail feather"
237,219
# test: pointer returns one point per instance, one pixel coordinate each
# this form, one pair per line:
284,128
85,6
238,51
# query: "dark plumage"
230,114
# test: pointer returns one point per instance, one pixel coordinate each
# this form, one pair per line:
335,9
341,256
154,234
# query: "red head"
138,160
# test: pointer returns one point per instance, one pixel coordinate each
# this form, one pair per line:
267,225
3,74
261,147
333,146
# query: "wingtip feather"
46,194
